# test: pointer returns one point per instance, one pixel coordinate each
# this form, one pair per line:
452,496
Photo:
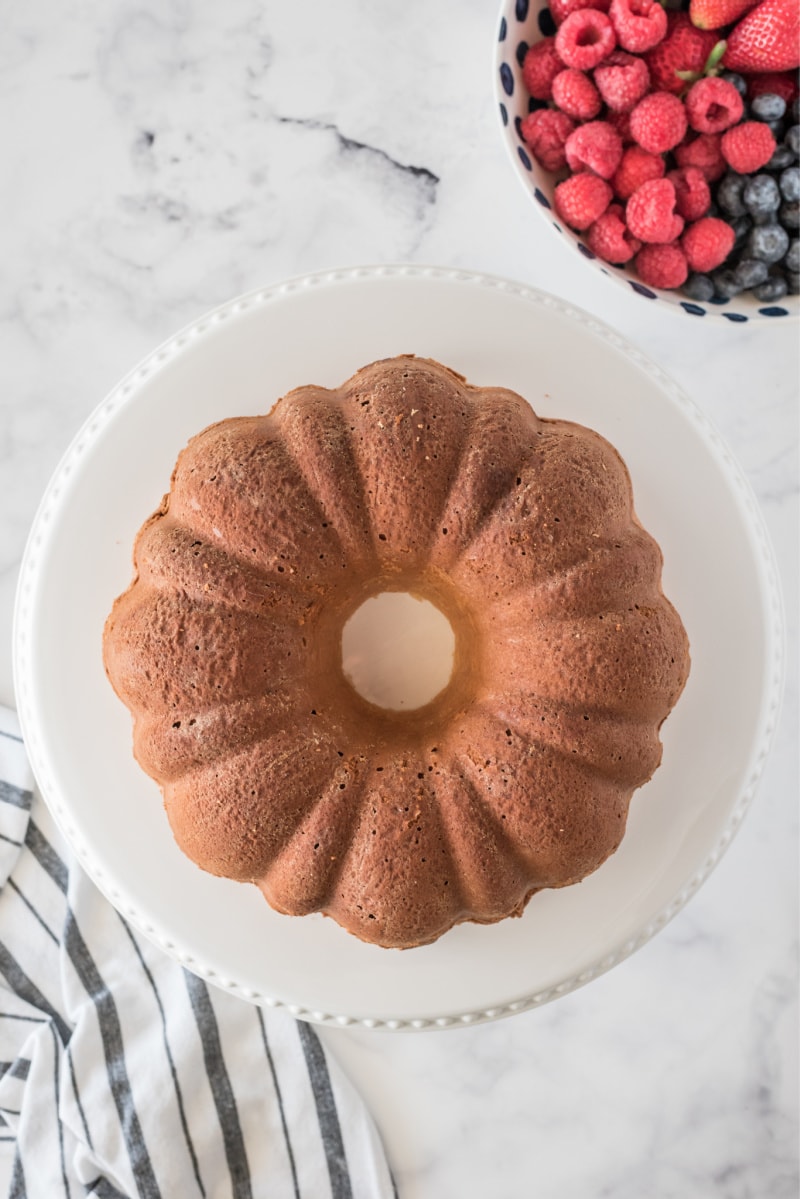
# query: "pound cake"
227,649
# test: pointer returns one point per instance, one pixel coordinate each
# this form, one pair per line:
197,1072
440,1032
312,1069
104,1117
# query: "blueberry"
793,281
768,107
782,157
741,227
725,285
791,260
773,288
790,183
775,128
729,194
750,272
792,139
761,194
764,218
699,287
769,243
737,81
789,215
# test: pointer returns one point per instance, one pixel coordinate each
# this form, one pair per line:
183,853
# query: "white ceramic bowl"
520,24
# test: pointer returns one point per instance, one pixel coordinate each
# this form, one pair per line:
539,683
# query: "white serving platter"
239,359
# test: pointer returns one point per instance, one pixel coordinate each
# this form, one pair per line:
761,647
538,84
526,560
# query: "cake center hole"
397,651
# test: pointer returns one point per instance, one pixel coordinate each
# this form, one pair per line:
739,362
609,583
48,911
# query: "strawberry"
776,84
684,49
713,14
766,39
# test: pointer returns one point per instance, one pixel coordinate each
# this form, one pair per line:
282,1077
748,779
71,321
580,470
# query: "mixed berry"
675,134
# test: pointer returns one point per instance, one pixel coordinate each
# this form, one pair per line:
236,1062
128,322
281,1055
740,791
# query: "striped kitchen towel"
122,1074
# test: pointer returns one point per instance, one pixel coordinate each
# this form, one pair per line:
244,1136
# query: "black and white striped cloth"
122,1074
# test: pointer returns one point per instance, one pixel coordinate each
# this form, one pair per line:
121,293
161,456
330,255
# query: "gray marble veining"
159,158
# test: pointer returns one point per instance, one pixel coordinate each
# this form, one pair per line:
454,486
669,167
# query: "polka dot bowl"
521,23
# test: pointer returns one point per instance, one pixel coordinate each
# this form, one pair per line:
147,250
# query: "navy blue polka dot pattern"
521,26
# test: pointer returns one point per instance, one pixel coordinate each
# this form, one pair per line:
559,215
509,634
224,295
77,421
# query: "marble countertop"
160,158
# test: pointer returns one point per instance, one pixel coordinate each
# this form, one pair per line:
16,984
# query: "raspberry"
540,67
713,105
693,195
622,80
581,199
638,24
561,9
705,153
620,122
707,243
585,39
658,122
546,132
650,212
596,146
576,95
683,49
662,266
610,239
636,167
748,147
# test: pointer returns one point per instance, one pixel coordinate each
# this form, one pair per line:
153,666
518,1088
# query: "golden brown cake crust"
227,650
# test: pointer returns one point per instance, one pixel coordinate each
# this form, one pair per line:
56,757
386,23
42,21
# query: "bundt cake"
227,650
